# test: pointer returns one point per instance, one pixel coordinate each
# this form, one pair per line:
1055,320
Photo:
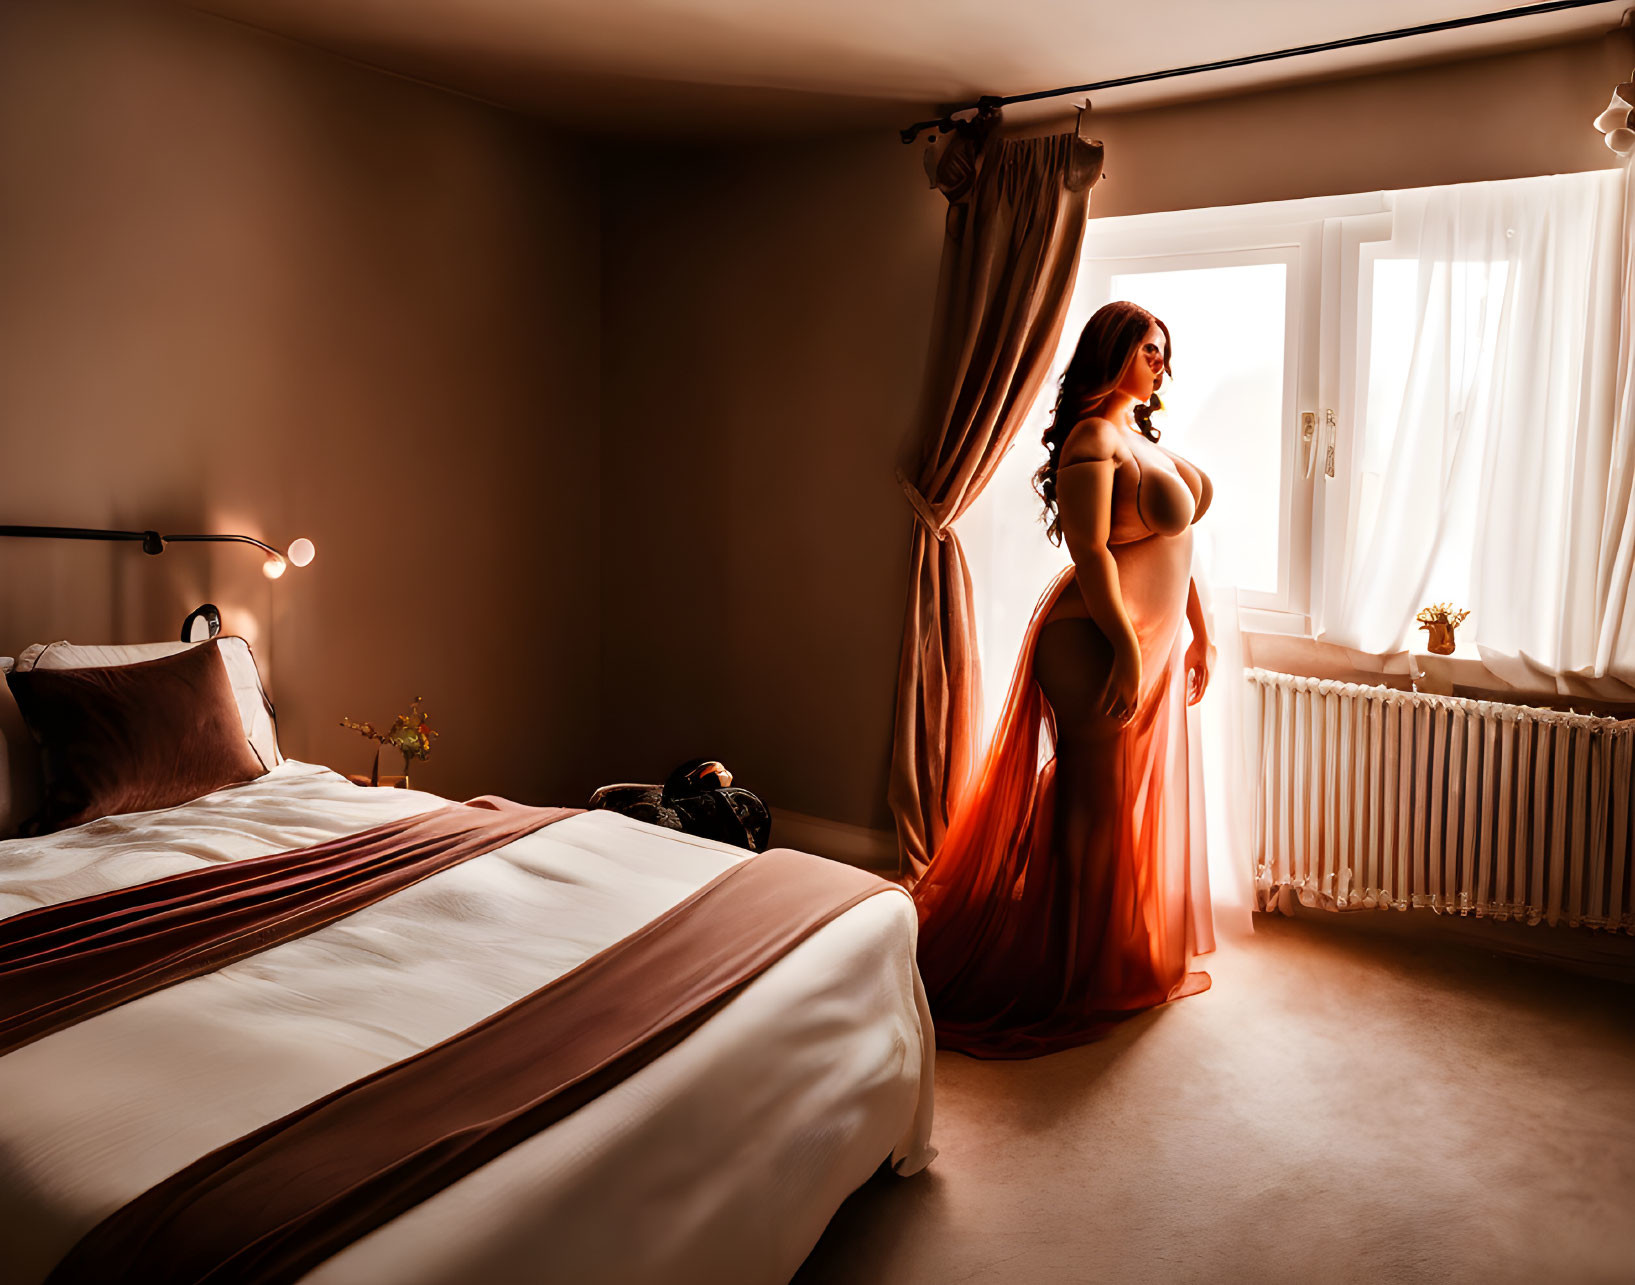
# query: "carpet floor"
1336,1108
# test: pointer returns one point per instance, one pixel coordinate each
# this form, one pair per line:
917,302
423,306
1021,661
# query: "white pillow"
254,709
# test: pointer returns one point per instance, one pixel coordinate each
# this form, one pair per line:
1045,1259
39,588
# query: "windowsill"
1461,674
1299,653
1439,675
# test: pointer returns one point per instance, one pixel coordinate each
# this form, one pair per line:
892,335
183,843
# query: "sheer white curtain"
1615,560
1223,736
1498,471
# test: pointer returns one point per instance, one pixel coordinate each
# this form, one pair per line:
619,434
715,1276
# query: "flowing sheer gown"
1071,890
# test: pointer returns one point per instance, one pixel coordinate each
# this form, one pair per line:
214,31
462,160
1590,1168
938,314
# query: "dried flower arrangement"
410,735
1439,620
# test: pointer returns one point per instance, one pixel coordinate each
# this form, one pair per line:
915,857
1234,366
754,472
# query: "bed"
720,1161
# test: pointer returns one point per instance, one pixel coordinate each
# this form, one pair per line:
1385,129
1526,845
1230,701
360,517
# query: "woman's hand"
1200,660
1118,702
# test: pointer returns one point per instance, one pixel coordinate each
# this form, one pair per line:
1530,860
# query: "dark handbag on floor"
698,798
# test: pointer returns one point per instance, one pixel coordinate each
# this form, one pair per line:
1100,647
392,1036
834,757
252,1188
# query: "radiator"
1373,797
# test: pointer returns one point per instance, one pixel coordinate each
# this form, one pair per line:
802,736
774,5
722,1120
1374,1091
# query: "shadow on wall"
766,336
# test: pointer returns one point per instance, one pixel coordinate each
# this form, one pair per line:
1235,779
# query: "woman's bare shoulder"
1093,439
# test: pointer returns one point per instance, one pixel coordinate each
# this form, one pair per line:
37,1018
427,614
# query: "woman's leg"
1071,665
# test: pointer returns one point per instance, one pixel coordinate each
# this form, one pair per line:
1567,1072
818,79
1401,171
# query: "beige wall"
246,286
1488,118
765,319
765,323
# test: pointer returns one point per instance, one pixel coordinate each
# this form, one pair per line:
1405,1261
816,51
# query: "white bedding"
719,1162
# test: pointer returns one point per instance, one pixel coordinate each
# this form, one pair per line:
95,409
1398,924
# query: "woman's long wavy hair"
1107,347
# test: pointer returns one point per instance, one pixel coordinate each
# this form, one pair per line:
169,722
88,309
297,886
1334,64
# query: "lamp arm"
245,539
154,543
151,541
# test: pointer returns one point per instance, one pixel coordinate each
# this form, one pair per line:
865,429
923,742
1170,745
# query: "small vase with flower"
410,734
1439,621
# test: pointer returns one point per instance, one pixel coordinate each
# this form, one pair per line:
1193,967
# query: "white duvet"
719,1162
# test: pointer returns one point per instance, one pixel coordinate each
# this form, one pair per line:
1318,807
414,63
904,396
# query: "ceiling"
679,67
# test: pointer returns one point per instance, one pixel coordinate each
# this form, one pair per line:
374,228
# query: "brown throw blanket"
272,1205
66,962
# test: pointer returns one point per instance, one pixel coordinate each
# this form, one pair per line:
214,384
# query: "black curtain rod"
990,101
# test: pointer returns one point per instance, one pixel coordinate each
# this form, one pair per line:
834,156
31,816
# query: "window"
1295,328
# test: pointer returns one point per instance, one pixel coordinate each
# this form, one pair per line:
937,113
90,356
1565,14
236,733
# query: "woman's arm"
1084,508
1195,615
1200,655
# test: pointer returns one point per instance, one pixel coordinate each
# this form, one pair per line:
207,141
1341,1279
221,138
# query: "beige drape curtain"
1016,218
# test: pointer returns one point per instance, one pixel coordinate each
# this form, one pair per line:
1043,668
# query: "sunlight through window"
1223,409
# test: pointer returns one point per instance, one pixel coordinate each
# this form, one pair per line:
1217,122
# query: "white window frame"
1347,332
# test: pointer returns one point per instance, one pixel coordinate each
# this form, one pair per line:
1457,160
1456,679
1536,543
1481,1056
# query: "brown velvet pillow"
128,738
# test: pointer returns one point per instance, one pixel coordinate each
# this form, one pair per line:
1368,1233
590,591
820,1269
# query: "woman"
1067,897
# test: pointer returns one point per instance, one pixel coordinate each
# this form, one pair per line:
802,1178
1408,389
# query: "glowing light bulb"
302,552
273,567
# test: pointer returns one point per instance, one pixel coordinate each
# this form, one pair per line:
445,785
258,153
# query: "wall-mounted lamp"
301,552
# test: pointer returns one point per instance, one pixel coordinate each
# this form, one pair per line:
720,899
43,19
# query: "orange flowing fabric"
1025,948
